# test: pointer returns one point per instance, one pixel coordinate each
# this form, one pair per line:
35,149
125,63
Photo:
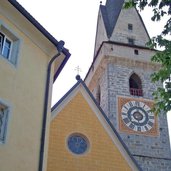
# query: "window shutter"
14,52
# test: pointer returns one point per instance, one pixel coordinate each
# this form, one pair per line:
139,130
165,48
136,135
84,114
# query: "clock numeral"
132,126
150,123
151,117
150,114
130,104
137,104
135,128
127,106
149,127
124,116
146,128
123,113
143,129
124,109
141,104
126,120
146,108
152,120
139,128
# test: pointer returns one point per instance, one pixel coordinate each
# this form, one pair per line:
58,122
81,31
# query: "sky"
74,21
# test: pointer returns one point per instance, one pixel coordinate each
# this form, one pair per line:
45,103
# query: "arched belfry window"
135,85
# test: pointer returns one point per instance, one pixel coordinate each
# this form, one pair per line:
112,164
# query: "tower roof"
110,12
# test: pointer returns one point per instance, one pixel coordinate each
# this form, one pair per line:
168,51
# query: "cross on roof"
78,69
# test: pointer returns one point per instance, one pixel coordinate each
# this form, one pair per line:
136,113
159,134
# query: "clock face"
137,116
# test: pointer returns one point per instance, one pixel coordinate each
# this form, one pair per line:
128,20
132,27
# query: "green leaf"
160,8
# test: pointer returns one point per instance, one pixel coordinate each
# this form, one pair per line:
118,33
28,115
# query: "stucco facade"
22,89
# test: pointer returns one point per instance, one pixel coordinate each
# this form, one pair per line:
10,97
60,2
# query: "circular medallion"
137,116
77,144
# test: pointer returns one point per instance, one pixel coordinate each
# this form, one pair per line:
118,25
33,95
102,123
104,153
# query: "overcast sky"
75,23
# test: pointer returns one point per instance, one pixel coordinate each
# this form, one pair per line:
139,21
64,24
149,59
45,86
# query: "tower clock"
136,116
119,78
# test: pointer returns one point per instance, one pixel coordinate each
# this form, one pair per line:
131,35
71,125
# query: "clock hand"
132,119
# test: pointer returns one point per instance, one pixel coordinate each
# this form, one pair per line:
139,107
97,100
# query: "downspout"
46,99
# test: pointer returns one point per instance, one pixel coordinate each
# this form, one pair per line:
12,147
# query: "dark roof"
110,13
80,81
35,23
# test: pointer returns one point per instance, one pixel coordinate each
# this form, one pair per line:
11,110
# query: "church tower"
119,79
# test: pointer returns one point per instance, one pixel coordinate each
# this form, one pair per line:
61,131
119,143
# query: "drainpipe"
46,100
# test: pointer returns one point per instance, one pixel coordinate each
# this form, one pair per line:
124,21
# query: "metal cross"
78,69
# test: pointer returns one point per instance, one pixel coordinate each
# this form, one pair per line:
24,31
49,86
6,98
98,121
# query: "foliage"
160,8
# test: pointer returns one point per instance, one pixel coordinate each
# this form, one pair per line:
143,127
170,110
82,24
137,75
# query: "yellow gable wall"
77,117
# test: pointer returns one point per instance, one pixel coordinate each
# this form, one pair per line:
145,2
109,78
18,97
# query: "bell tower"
119,79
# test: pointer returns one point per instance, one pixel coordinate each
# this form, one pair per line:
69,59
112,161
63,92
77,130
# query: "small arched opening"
135,85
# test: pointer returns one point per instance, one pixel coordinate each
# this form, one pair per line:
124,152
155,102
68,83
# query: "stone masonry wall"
153,164
139,145
138,32
100,82
112,76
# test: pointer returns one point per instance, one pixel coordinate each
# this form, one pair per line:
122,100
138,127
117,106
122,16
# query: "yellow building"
82,137
30,60
115,132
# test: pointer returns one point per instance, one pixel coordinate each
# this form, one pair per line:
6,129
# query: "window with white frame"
5,45
4,114
9,45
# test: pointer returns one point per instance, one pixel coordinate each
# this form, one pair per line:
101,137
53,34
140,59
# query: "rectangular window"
5,46
131,41
9,45
1,41
130,27
4,114
136,52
